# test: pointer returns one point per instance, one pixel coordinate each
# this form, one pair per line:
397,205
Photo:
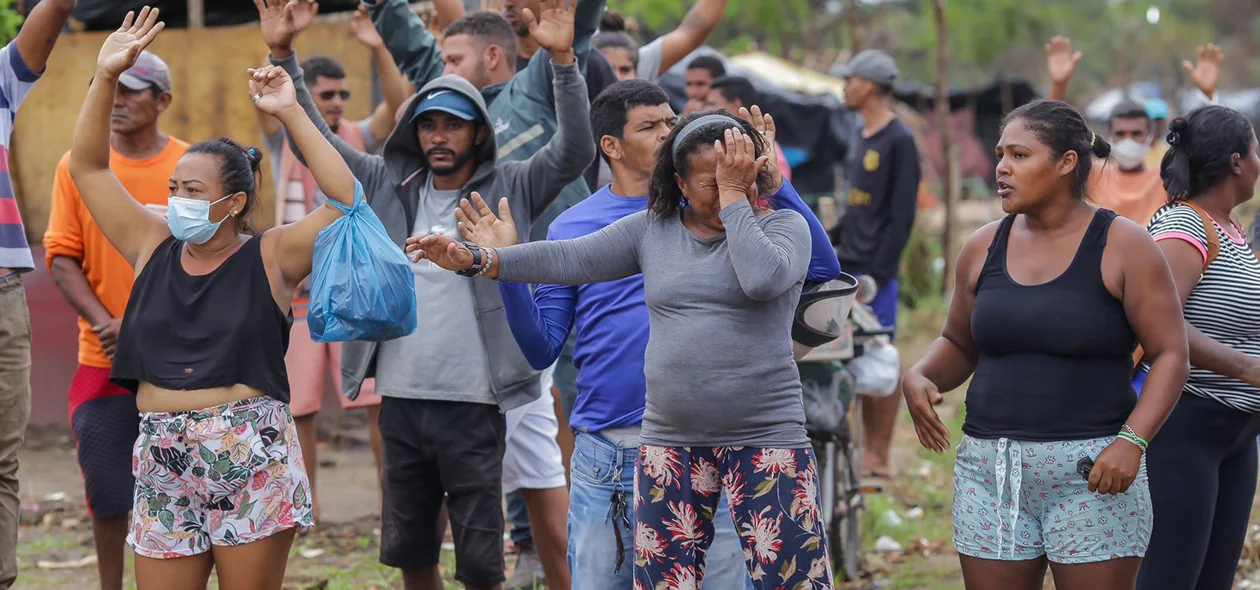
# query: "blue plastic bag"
362,286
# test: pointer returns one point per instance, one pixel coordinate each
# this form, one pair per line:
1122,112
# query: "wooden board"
211,99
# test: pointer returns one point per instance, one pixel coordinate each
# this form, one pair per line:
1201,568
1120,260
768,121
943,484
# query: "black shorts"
435,450
105,423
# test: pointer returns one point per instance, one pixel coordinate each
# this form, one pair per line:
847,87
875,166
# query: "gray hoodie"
392,183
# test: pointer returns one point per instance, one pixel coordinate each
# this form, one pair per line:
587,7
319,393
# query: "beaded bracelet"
488,260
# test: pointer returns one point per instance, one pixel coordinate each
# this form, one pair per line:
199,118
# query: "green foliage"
920,279
10,21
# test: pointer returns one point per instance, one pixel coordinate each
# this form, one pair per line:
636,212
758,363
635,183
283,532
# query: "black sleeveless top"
1055,359
184,332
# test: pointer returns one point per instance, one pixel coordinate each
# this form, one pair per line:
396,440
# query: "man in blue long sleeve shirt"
631,120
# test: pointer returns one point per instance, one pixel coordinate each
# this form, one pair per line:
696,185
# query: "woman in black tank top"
1047,307
220,480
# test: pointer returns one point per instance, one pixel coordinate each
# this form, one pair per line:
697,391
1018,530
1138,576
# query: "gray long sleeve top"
719,362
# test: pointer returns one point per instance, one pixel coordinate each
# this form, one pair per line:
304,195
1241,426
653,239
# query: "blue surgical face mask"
189,219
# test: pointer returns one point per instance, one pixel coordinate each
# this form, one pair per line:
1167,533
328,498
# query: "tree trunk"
948,183
196,14
851,18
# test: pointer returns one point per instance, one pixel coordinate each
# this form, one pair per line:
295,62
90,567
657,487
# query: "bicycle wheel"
845,526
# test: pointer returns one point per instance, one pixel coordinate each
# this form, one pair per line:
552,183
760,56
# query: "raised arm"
272,92
39,32
132,229
569,151
585,20
1061,63
414,50
768,259
393,89
700,22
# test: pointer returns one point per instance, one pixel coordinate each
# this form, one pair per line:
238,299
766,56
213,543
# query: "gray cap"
873,65
149,71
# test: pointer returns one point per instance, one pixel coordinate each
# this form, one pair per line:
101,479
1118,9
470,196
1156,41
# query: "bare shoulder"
1130,239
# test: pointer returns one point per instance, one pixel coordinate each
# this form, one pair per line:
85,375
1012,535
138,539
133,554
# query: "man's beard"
457,162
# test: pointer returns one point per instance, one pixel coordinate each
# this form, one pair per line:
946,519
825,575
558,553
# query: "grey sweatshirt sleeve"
414,50
768,260
540,178
368,169
607,255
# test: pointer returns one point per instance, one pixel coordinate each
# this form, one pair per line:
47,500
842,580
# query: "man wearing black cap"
883,177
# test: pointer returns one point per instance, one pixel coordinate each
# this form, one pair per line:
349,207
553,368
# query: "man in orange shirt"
96,281
1127,185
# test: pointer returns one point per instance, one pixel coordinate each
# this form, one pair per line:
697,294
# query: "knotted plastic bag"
362,286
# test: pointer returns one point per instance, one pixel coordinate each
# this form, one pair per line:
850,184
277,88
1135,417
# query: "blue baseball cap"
447,101
1156,108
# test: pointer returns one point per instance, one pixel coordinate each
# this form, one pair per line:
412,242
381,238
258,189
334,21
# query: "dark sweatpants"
1202,469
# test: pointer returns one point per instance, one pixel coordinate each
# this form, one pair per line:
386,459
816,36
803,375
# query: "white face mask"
1129,154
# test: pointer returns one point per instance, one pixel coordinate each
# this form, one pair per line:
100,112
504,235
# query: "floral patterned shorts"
226,476
1018,500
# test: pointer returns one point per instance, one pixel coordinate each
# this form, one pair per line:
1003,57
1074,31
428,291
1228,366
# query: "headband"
699,122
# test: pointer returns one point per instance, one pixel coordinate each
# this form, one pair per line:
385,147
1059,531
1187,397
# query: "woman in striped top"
1203,466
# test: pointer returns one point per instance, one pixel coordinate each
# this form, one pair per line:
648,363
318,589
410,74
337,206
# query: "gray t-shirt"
444,359
274,144
719,362
649,68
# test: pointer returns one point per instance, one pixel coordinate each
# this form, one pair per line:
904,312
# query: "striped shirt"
1224,305
16,80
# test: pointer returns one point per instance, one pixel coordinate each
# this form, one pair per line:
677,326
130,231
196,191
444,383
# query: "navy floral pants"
774,499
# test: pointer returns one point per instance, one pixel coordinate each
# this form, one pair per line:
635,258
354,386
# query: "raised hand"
478,224
281,20
737,167
123,47
1060,61
1206,71
553,29
271,89
440,250
364,30
764,124
922,396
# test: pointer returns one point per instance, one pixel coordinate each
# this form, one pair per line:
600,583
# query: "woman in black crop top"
1047,307
219,476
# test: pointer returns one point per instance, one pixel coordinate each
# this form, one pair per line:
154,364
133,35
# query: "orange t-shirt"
73,233
1133,195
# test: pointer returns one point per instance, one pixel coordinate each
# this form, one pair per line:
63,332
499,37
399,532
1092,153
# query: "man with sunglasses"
96,280
310,362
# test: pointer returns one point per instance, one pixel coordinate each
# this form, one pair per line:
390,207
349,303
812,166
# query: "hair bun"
1100,148
612,22
1177,130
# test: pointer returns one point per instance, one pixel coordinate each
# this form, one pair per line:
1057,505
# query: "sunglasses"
329,94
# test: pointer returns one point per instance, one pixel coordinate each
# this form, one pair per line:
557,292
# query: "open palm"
479,225
1206,71
364,30
1060,60
553,29
272,89
122,47
440,250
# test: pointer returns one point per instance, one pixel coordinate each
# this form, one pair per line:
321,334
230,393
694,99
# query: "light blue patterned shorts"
1018,500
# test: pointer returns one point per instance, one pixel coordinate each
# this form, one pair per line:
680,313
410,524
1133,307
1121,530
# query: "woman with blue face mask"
220,482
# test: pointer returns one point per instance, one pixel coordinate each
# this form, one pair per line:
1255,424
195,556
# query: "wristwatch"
475,269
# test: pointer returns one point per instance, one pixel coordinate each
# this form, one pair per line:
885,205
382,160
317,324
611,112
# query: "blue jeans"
599,469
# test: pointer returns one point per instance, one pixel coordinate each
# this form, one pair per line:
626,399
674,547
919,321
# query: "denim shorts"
1018,500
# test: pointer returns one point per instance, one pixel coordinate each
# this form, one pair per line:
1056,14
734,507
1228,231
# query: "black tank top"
184,332
1054,358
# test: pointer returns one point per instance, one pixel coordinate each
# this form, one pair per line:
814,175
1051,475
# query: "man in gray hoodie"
445,387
